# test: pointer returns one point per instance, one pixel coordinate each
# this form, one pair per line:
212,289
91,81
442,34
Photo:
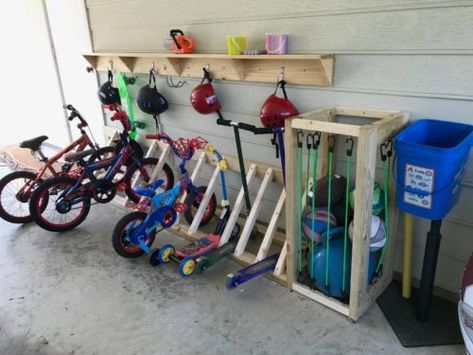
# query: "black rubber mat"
441,329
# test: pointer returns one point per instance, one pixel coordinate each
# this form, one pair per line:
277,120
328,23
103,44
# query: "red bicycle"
62,203
17,187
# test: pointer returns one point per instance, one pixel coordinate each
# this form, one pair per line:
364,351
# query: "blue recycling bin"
431,157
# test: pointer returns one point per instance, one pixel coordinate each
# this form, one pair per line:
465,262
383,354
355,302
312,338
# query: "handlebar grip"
263,130
153,136
223,122
246,126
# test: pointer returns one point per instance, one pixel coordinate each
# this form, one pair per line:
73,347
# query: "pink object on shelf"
276,43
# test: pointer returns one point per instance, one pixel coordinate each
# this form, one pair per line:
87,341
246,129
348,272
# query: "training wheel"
231,282
164,253
153,259
187,266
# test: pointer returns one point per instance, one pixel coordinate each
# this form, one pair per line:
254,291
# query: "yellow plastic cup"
236,44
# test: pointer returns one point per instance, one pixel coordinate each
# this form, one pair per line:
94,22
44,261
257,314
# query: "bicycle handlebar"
74,113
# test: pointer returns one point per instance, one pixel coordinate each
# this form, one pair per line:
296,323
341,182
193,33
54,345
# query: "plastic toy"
193,257
181,44
378,199
378,233
62,203
315,223
134,233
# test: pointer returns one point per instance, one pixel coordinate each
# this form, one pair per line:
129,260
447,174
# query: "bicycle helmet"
108,95
276,109
203,97
149,100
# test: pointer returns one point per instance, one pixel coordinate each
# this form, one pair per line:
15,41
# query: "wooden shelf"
304,69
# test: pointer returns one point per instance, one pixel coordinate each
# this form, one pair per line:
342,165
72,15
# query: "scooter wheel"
231,282
153,259
187,266
164,253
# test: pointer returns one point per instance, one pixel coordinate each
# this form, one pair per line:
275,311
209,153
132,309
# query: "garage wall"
408,55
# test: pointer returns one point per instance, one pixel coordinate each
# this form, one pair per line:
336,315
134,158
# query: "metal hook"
170,82
389,146
309,137
281,74
350,143
316,142
299,139
331,143
153,68
110,63
383,148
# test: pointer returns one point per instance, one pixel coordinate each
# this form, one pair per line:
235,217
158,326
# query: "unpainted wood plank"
321,298
237,208
281,263
251,219
273,224
365,170
205,201
292,220
327,127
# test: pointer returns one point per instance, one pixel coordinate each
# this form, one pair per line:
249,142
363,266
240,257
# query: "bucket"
276,43
236,44
431,157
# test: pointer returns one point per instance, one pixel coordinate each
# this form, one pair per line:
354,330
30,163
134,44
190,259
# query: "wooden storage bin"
382,126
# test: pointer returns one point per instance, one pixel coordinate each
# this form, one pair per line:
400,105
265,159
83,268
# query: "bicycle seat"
79,155
33,143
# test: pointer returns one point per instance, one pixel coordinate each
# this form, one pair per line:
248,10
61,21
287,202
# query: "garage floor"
71,294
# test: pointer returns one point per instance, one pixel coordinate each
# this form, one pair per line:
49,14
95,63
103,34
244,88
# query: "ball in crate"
378,199
316,222
378,233
333,284
321,190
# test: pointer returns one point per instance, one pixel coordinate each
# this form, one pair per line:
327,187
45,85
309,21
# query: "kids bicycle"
134,234
62,203
16,188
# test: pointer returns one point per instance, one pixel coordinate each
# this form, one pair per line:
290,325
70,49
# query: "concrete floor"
71,293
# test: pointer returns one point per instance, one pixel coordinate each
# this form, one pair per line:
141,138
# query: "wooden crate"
382,125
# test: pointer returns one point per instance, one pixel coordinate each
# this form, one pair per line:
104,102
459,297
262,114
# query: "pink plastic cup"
276,43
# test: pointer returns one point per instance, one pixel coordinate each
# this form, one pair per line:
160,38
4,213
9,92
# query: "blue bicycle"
62,203
134,234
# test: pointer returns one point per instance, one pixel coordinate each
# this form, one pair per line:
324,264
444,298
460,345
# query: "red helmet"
204,99
276,109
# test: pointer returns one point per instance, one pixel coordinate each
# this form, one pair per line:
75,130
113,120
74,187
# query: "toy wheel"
153,259
187,266
164,253
231,282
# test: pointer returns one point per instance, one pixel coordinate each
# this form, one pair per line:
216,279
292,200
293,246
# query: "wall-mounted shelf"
304,69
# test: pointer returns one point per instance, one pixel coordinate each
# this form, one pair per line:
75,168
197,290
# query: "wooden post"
292,223
365,170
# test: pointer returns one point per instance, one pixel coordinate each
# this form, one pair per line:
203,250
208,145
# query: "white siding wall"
403,54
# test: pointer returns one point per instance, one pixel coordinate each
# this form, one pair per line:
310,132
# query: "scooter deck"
250,272
204,262
199,247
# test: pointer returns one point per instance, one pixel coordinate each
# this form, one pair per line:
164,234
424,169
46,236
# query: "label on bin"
422,179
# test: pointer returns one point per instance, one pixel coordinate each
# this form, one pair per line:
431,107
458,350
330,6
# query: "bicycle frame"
81,143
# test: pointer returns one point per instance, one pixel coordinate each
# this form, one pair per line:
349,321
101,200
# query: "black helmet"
108,95
149,100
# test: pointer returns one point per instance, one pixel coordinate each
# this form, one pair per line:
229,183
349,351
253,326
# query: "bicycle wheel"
193,203
15,192
121,235
58,214
139,175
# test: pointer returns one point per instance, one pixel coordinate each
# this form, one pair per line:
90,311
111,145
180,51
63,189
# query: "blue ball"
335,275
